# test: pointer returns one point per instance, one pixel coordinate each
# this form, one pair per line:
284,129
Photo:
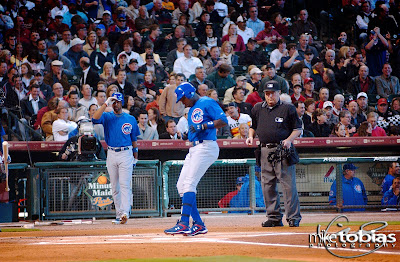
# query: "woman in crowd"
156,121
281,24
310,108
234,39
339,130
212,93
26,73
129,103
209,38
149,79
365,129
319,127
345,119
108,74
91,43
203,53
395,105
228,55
183,20
19,56
62,126
149,49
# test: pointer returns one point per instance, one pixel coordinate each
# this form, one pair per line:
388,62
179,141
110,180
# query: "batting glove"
110,101
196,128
135,162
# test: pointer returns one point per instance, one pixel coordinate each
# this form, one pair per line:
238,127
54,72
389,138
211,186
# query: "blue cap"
240,180
123,16
185,89
119,97
349,166
101,26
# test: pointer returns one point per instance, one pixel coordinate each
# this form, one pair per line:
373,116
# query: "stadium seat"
390,98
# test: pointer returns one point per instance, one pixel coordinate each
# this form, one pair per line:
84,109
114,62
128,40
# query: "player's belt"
119,149
195,143
269,145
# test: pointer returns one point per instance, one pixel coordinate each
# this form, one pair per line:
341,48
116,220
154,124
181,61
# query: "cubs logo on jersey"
197,116
357,188
126,128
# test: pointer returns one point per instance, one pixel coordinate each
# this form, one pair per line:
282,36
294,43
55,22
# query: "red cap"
382,101
267,24
308,80
80,26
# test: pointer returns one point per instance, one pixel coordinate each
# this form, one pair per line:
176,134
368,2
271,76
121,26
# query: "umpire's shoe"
180,228
294,223
271,223
198,228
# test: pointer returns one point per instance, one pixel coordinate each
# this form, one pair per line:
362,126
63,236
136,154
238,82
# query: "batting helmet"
185,89
119,97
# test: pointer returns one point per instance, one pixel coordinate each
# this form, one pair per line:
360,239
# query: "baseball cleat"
179,228
271,223
198,229
124,219
116,221
294,223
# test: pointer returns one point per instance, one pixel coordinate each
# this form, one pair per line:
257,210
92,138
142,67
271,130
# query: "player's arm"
100,111
135,150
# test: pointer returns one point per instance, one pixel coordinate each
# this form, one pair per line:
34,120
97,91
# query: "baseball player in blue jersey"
121,131
204,116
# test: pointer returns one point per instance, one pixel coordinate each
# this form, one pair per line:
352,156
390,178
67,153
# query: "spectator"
149,79
345,119
364,130
306,119
160,14
91,43
62,126
212,93
235,118
375,51
392,196
338,103
281,24
150,65
329,61
156,121
99,57
271,75
172,132
183,8
129,104
241,82
303,46
254,22
146,131
50,116
386,84
75,52
210,39
108,74
372,118
319,127
73,12
362,83
234,39
224,202
296,96
251,56
268,35
353,190
395,105
331,118
183,21
214,61
144,21
356,117
65,43
383,20
53,54
76,110
291,58
141,100
59,7
45,90
26,73
169,109
124,87
187,64
362,101
298,67
56,75
239,98
342,40
245,32
309,89
310,108
87,98
200,78
118,29
133,76
330,83
89,76
100,97
278,53
221,79
304,25
255,79
176,53
228,56
182,124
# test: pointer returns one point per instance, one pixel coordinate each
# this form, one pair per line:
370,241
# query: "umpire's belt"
119,149
195,143
269,145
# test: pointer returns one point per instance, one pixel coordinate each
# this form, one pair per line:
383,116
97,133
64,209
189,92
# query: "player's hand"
196,128
249,141
135,160
286,144
110,101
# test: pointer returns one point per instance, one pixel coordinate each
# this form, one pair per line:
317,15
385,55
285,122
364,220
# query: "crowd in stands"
337,61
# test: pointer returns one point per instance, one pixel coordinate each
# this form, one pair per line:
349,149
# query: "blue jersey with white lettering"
119,130
204,110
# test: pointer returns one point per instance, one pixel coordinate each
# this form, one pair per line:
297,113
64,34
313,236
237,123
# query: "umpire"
277,125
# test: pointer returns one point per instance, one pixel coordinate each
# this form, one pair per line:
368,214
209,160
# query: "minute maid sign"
99,191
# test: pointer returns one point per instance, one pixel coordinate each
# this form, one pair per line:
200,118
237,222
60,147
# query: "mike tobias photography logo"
344,240
99,191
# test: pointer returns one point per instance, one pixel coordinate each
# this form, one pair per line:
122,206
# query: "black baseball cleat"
294,223
271,223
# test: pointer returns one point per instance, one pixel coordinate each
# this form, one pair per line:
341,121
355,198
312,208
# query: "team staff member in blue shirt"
392,196
121,131
394,171
205,115
353,189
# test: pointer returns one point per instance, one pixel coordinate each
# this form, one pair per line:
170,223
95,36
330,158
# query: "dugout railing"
314,177
71,190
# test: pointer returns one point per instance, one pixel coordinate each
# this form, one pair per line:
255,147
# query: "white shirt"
21,93
276,56
35,103
187,66
246,34
63,10
85,72
179,54
63,46
133,55
87,103
235,123
221,8
62,125
182,126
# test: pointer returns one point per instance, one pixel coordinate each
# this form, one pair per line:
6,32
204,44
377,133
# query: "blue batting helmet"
119,97
185,89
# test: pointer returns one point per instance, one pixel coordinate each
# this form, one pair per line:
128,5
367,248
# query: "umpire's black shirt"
274,124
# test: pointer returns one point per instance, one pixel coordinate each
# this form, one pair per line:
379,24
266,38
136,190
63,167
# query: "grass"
203,259
18,229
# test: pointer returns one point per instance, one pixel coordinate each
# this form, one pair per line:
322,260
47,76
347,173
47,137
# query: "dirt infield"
233,235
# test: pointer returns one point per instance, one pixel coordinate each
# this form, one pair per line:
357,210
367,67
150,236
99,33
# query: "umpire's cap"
271,85
349,166
185,89
119,97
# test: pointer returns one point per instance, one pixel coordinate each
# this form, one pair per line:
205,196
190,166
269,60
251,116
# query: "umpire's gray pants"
287,178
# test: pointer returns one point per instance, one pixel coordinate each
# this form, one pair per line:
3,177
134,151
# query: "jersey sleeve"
104,117
294,117
254,114
215,112
135,130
